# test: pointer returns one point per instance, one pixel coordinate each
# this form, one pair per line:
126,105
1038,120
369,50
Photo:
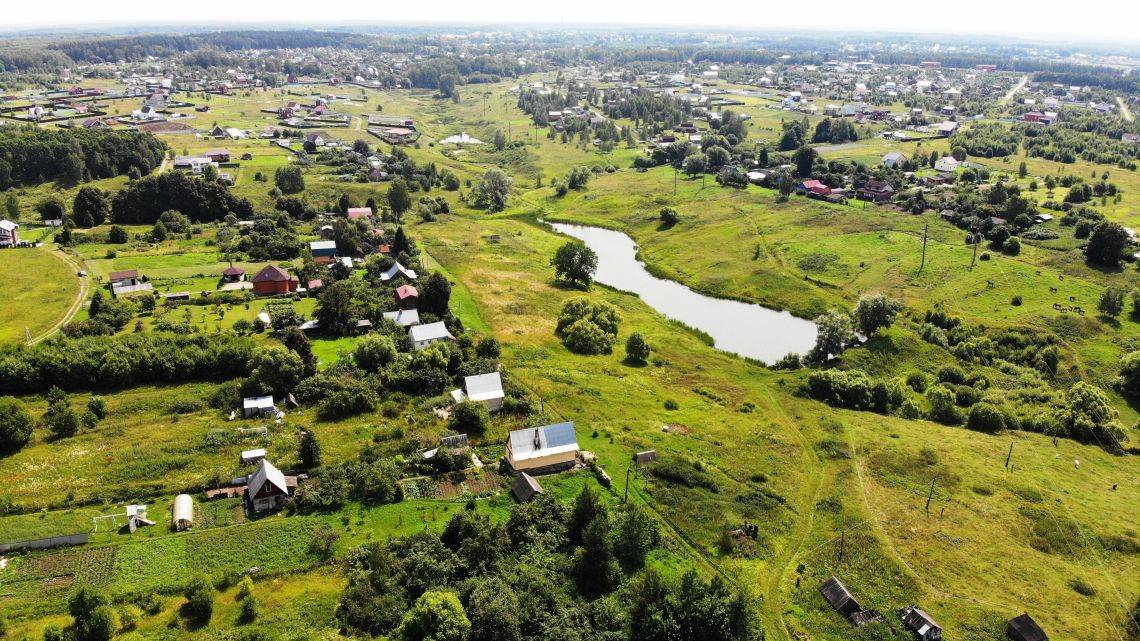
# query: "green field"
38,287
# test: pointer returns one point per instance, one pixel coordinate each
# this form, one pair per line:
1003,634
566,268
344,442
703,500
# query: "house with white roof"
482,388
424,335
946,164
398,270
404,317
550,447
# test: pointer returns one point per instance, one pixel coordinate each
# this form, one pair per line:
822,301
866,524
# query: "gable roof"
431,331
233,271
272,273
1023,628
407,291
265,473
8,225
123,274
397,268
535,442
404,317
525,487
317,245
839,597
484,387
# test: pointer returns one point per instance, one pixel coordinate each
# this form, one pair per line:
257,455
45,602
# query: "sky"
1114,20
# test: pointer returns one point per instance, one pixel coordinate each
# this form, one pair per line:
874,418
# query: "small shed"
258,406
183,512
136,517
1023,628
525,487
454,442
252,456
921,623
646,457
839,597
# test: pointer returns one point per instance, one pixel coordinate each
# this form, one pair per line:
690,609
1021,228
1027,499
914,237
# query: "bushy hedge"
101,362
854,389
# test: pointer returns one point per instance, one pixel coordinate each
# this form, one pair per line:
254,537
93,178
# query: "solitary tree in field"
575,263
1106,242
876,311
1111,303
309,450
637,349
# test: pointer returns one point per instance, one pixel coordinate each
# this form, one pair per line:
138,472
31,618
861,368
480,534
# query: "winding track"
76,305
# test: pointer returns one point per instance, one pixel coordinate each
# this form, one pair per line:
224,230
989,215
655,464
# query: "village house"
894,159
403,317
547,448
1023,628
273,280
946,164
397,270
407,297
482,388
267,489
920,623
360,213
424,335
218,155
323,251
9,233
814,188
233,274
878,191
126,283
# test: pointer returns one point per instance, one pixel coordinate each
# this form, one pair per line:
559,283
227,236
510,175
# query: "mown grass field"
37,288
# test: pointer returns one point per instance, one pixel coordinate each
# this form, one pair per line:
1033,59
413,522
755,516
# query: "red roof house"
355,213
273,280
816,188
233,274
407,297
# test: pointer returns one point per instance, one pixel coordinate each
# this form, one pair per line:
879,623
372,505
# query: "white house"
946,164
482,388
404,317
235,133
398,270
9,233
894,159
547,447
424,335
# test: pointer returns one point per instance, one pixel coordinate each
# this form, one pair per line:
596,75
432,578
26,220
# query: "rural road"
1125,112
76,305
1016,88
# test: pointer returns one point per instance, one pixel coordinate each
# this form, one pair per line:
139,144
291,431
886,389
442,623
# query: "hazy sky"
1105,19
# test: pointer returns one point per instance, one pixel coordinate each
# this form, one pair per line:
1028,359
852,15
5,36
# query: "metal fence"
44,543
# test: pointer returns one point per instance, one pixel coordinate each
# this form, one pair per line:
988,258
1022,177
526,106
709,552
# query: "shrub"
682,472
985,417
469,418
637,349
199,595
15,425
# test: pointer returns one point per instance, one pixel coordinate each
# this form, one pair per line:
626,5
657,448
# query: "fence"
44,543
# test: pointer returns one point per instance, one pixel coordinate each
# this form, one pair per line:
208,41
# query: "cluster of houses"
914,618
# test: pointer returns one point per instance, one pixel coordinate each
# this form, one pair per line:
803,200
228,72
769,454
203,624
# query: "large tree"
15,425
399,198
91,207
435,294
575,263
1106,244
492,190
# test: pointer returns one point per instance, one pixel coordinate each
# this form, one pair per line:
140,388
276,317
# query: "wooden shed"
1023,628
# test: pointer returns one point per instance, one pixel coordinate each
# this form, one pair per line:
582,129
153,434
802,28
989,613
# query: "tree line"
29,155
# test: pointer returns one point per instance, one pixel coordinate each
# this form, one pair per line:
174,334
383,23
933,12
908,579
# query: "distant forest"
132,48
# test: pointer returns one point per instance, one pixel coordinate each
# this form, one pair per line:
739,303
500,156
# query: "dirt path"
76,305
773,612
1016,88
1125,112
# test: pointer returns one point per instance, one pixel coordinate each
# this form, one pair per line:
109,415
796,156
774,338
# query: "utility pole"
925,229
1009,456
627,471
930,495
975,258
674,180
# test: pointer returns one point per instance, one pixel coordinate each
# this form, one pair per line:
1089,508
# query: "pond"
745,329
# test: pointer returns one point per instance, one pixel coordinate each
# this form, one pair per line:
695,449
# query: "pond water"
746,329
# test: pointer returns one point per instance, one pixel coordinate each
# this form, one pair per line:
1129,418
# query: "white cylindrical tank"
183,512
